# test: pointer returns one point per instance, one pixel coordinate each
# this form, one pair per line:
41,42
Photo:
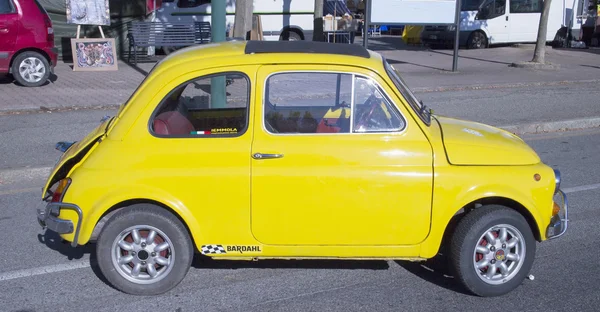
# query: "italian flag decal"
200,132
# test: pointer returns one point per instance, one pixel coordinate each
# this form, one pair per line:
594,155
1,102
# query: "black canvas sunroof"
255,46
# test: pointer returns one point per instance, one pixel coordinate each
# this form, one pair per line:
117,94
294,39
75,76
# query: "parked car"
27,49
316,150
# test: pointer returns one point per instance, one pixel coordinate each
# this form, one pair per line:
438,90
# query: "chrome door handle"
266,156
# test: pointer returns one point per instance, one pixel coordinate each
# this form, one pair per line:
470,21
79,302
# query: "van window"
526,6
492,9
470,5
191,3
6,7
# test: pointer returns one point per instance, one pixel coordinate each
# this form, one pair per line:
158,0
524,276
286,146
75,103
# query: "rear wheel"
290,35
492,250
31,69
144,250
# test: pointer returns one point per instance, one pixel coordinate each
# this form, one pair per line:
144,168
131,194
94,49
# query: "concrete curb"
502,86
554,126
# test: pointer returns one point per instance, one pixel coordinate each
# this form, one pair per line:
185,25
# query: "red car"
26,42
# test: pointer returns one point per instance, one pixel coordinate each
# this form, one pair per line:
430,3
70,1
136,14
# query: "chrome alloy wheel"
32,69
143,254
499,254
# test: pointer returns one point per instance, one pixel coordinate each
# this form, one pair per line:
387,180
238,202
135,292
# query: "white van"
281,19
512,21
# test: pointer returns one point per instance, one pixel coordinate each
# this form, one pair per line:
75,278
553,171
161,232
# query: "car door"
494,19
9,28
336,162
198,147
524,20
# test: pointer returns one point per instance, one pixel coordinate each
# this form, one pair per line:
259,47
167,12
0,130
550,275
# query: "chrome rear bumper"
48,219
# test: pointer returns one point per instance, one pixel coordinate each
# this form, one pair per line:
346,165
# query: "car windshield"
418,106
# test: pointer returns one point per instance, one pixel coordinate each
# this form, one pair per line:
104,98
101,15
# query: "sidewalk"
424,70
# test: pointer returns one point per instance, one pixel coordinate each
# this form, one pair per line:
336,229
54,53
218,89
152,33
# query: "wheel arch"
444,226
481,203
30,49
485,34
99,224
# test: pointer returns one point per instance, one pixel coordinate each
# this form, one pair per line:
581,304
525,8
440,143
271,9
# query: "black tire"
290,35
477,40
467,236
181,249
33,58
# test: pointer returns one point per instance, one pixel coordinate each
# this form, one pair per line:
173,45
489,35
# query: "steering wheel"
366,117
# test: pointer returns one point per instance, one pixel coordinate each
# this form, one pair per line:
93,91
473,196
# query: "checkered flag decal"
212,249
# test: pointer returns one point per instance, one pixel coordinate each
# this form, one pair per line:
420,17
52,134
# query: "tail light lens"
49,29
62,187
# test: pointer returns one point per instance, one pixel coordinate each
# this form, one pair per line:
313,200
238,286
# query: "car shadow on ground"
392,62
204,262
435,271
56,243
6,79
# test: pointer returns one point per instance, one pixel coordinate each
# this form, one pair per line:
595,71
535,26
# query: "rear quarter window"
6,7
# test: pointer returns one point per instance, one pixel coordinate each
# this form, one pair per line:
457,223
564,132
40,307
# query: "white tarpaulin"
412,12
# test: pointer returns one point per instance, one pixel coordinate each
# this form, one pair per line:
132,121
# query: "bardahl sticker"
243,248
220,249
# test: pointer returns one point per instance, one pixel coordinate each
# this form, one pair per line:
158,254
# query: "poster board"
88,12
412,12
94,54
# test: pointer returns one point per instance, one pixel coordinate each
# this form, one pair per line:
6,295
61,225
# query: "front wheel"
492,250
144,250
477,40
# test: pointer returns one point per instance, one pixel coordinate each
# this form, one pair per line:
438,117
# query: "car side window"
308,102
6,7
373,112
215,105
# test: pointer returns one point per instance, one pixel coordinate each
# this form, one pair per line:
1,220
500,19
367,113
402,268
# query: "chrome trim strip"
395,105
557,180
266,156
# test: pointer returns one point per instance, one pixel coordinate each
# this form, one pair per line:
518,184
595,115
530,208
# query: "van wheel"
492,250
144,250
31,69
290,35
477,40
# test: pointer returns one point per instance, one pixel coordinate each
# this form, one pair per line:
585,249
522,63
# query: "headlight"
557,180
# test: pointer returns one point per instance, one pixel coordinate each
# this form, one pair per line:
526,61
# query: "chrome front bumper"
48,219
559,222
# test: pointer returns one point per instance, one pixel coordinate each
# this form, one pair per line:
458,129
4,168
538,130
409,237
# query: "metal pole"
218,27
456,35
366,24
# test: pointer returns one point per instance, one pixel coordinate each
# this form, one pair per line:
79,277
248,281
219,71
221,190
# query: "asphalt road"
36,134
37,273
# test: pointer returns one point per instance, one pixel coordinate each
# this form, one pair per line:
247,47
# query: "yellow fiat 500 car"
297,150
